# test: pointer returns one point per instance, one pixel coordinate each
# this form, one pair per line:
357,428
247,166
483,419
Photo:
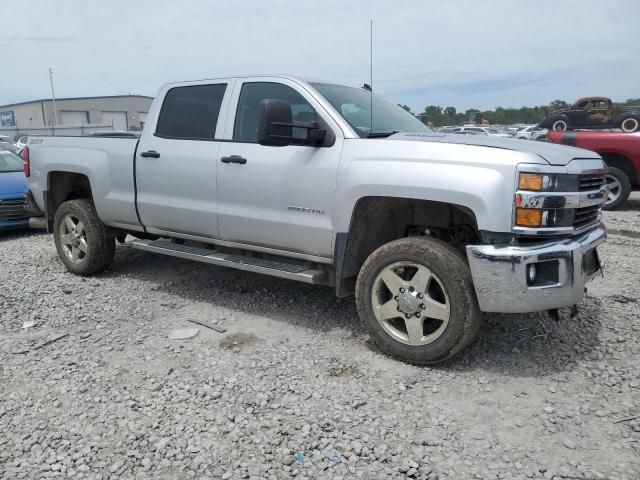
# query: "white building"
122,112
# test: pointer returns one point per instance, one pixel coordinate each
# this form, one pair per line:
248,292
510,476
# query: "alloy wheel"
73,238
614,189
410,303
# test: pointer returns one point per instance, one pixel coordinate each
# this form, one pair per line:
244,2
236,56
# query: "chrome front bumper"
500,272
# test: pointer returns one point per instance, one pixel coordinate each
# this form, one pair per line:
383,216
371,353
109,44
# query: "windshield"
492,130
354,104
10,162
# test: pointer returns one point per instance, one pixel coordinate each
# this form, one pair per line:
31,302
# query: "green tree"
450,112
558,105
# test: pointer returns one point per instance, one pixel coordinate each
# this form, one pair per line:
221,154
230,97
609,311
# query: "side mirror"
276,126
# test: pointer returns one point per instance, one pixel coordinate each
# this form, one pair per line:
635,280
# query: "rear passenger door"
176,160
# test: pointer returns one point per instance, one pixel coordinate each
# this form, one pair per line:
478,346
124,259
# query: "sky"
465,53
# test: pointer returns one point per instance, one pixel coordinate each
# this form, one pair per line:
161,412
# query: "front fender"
486,187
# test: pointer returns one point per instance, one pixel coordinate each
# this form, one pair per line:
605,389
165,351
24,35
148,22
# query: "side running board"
291,271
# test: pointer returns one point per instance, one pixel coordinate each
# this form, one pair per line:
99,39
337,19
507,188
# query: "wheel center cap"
409,302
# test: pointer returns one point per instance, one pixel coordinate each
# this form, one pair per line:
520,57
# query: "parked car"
621,153
446,129
514,128
532,132
289,178
492,132
22,141
594,113
11,147
470,132
13,189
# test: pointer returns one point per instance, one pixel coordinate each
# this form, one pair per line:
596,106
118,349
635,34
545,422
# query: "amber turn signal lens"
530,181
528,217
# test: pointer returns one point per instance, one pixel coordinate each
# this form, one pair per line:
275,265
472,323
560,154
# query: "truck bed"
106,162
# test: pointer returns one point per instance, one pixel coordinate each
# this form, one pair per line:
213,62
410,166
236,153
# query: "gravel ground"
293,388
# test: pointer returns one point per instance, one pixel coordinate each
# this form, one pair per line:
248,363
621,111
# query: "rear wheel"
629,125
85,244
618,188
416,298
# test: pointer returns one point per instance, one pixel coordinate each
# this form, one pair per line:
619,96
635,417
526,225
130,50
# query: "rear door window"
191,112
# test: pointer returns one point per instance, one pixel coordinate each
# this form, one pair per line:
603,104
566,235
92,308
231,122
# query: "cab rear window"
191,113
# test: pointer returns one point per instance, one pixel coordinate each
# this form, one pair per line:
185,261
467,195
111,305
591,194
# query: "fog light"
531,273
528,217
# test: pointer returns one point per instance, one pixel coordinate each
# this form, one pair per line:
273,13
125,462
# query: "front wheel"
559,126
85,244
618,188
416,298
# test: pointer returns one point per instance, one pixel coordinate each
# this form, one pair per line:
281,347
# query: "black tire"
623,186
453,271
630,124
99,239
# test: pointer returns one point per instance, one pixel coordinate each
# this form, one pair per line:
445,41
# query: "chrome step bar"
291,271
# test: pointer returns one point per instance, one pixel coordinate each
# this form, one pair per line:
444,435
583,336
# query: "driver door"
276,197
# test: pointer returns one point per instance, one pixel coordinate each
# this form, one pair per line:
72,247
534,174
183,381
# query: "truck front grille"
586,216
590,182
13,210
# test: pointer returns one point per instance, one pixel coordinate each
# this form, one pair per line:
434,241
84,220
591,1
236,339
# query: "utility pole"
53,98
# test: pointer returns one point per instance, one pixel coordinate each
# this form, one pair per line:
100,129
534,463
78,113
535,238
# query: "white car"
492,132
530,133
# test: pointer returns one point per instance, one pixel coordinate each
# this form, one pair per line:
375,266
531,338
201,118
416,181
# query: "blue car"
13,190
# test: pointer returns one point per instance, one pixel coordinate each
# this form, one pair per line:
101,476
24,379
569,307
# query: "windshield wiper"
388,133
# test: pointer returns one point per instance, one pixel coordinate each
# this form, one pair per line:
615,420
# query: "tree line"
439,116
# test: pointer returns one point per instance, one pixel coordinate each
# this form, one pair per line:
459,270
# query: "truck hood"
554,154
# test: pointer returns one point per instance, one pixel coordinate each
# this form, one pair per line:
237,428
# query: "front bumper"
500,272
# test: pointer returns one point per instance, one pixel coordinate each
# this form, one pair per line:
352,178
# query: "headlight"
558,201
548,182
532,181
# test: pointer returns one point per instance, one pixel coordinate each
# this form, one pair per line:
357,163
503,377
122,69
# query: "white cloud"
463,53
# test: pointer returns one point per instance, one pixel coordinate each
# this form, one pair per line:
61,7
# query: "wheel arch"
621,162
548,121
63,186
619,119
376,220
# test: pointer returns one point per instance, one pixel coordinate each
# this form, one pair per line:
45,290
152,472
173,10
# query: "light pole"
53,97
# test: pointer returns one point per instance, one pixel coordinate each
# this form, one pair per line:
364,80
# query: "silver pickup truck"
331,185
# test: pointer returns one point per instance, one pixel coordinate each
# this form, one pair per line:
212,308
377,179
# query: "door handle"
150,154
234,159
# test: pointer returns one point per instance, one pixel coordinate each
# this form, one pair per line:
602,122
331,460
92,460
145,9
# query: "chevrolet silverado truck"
621,153
303,181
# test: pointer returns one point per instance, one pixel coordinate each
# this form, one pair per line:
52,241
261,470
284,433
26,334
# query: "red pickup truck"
621,153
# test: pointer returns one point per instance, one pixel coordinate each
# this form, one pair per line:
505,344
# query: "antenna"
371,73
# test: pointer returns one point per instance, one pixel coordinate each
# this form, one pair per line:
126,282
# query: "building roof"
73,98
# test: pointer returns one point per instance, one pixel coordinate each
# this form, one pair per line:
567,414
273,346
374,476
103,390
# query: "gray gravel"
96,389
